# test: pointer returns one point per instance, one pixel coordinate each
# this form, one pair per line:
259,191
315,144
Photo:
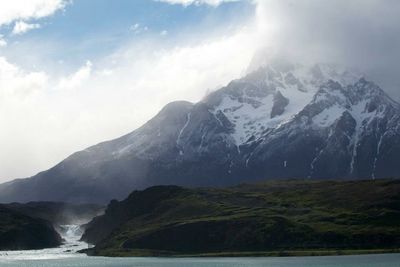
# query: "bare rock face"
280,103
278,122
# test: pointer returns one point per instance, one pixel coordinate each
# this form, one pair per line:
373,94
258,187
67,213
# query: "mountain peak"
274,94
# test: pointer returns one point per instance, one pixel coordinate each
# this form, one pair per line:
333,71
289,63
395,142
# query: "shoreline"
281,253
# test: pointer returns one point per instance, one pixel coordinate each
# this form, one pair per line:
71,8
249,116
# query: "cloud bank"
363,34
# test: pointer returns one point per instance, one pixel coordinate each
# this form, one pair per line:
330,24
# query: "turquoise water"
387,260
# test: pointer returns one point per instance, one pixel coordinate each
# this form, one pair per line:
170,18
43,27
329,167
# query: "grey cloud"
362,34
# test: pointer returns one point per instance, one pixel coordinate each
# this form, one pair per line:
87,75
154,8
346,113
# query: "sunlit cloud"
78,78
23,10
15,82
21,27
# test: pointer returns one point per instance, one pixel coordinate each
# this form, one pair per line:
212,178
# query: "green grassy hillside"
266,218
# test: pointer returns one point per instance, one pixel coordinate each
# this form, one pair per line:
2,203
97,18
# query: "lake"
386,260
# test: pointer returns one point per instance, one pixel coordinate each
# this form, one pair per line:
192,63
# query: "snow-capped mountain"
281,121
271,96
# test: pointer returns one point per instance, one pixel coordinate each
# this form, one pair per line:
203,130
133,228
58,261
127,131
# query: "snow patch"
183,129
328,116
248,120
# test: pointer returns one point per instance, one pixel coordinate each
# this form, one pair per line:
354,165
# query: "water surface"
388,260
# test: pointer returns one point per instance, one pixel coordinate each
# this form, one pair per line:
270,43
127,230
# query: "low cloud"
363,34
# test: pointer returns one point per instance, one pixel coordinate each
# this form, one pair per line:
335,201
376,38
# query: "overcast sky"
74,73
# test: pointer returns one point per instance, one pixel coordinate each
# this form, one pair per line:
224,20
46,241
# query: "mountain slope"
281,121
